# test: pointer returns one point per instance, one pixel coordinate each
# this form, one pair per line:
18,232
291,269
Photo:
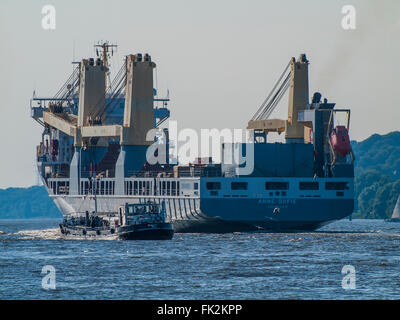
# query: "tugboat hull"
156,233
87,232
162,231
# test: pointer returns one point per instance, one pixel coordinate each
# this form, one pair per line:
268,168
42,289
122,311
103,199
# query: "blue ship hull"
244,215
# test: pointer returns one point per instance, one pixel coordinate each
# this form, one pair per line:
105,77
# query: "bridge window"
336,186
213,185
309,185
239,185
276,185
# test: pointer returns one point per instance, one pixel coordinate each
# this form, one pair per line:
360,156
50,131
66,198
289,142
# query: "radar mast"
103,50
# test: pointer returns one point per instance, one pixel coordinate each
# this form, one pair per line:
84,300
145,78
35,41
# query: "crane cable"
269,104
275,99
116,83
64,89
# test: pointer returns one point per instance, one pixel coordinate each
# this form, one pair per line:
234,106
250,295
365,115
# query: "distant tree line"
24,203
377,175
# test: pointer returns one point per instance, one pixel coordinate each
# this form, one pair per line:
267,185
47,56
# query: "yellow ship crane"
294,78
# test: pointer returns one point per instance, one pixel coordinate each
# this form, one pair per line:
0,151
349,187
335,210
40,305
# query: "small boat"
88,226
142,221
396,212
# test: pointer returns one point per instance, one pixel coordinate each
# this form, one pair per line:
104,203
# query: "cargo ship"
94,145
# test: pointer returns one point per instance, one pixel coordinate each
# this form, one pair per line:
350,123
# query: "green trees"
377,171
20,203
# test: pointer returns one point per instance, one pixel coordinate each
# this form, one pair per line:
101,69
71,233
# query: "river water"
203,266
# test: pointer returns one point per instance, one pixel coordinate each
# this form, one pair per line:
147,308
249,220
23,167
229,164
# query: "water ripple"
202,266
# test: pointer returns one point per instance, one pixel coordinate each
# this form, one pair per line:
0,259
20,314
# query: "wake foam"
55,234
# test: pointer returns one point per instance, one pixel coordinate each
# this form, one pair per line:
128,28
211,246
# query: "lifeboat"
340,141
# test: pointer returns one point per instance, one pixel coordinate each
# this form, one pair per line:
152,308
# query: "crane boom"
295,77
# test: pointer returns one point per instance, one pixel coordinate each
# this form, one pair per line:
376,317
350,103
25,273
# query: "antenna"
104,47
73,54
73,50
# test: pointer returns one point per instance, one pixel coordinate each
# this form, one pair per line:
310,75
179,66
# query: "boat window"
276,185
336,186
213,185
196,186
309,185
239,185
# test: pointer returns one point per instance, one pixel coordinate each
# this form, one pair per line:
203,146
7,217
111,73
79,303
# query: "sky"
218,58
